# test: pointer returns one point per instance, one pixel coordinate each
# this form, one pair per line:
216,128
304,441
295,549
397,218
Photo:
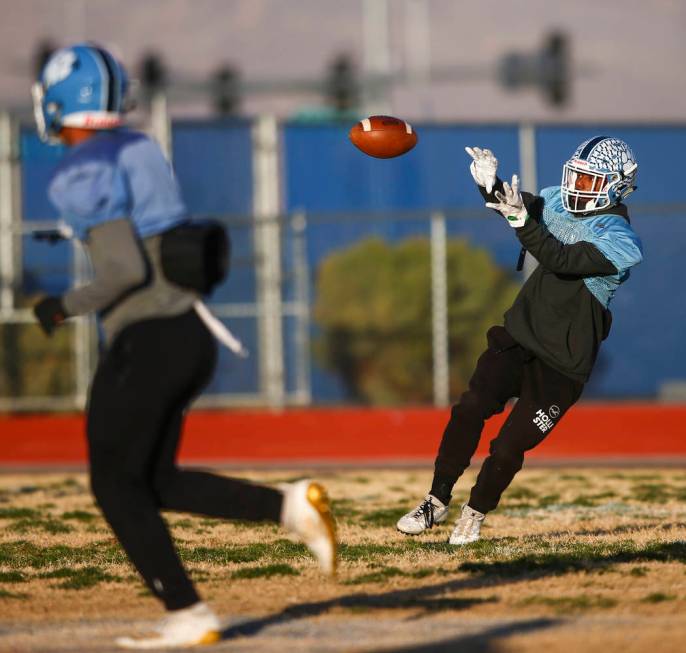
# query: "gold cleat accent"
210,637
319,500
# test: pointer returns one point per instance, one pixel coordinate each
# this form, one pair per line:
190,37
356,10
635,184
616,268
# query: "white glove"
510,204
483,167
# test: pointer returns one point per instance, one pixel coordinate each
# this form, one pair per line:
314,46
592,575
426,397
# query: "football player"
579,232
117,194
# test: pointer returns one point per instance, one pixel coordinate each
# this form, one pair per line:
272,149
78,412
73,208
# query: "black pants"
139,394
503,371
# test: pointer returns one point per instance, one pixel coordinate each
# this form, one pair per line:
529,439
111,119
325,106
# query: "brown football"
383,136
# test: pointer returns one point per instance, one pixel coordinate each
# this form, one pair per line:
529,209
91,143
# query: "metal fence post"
10,240
82,334
303,387
439,310
266,208
527,166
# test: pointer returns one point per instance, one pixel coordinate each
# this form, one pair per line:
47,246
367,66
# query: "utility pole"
418,51
377,55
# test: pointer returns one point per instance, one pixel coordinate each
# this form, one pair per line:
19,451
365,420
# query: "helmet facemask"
609,172
47,117
596,194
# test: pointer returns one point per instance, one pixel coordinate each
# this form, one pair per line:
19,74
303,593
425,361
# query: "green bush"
374,310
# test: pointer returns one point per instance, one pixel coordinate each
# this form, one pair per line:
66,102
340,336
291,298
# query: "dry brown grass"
599,554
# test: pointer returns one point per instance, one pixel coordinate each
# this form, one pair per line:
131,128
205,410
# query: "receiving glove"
510,204
483,167
50,313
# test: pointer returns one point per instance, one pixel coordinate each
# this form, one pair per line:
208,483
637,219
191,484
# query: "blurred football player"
117,194
579,233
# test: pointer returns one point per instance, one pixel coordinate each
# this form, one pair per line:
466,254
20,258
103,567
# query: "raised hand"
483,167
510,204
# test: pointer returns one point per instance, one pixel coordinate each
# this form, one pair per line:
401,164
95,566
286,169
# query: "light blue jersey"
113,175
610,233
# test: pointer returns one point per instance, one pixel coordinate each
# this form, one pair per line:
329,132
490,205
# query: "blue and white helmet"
612,166
80,86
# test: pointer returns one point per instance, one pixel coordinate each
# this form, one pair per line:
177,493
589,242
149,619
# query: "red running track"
635,431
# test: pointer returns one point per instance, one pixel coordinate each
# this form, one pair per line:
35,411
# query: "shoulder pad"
615,238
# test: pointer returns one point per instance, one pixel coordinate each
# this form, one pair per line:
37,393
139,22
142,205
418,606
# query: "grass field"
574,559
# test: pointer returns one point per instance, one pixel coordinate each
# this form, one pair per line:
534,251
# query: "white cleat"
194,626
467,527
306,512
427,514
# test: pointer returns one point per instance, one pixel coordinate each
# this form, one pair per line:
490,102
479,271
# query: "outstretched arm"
484,168
582,258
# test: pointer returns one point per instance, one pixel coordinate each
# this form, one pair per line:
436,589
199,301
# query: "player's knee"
162,481
103,486
472,405
507,456
113,487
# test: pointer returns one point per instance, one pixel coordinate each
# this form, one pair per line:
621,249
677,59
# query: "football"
383,136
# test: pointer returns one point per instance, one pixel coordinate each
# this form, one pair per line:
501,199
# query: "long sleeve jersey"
118,195
561,313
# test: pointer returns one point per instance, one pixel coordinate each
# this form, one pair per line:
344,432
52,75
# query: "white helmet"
612,166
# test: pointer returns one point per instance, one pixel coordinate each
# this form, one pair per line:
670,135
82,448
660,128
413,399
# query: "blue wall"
325,176
213,163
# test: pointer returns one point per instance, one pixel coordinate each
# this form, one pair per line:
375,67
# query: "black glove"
52,236
50,313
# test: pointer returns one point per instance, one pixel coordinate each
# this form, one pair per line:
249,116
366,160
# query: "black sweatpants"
140,391
503,371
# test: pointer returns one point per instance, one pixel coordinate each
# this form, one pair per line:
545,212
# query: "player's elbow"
560,265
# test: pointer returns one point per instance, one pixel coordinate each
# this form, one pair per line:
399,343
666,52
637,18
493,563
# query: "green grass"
345,509
12,577
80,515
526,501
21,554
520,492
382,569
384,517
79,578
47,525
222,555
590,500
268,571
565,604
354,552
382,575
658,597
379,576
199,575
280,550
6,594
577,556
548,500
18,513
651,493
